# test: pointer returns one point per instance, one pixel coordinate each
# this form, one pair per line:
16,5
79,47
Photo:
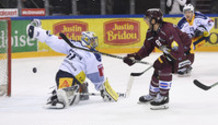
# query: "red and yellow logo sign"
65,82
121,32
72,29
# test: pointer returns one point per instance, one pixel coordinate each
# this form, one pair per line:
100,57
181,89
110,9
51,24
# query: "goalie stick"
106,54
202,86
98,94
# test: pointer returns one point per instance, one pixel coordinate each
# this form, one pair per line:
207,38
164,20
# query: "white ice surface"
189,105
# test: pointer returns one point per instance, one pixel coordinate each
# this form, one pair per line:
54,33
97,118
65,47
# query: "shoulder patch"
174,46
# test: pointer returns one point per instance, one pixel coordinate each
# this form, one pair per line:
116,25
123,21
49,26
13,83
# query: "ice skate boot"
145,99
160,102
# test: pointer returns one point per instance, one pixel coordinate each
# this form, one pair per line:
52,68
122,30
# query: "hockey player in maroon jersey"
177,53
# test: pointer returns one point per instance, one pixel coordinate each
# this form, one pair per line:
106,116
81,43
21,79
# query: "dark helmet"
154,13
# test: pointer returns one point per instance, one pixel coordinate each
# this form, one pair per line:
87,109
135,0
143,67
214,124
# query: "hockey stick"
106,54
98,94
129,86
202,86
131,80
140,73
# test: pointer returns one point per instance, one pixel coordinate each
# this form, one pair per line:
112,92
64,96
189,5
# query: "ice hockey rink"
189,105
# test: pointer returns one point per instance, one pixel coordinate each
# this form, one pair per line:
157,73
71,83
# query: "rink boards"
116,33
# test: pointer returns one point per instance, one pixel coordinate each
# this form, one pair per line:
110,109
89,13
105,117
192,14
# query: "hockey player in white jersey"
197,26
76,67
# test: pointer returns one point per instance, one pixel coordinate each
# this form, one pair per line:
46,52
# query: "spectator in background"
175,6
214,8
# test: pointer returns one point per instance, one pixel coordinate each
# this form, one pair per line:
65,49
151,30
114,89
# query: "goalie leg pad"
62,98
69,96
108,93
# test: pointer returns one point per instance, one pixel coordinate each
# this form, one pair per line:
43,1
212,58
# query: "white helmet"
90,39
188,7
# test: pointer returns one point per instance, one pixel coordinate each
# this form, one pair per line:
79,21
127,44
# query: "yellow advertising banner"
116,35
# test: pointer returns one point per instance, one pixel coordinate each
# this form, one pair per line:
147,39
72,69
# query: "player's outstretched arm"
36,32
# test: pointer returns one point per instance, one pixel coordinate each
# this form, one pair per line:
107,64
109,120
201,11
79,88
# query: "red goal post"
5,56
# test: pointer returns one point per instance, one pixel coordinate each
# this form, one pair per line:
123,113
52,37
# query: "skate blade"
143,103
161,107
184,75
57,106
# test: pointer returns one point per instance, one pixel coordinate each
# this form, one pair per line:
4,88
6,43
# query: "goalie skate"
63,98
53,103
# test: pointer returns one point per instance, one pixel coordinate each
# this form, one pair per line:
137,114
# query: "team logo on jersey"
174,46
121,32
72,29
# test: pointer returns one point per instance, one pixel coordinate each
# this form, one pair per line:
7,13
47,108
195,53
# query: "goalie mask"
89,39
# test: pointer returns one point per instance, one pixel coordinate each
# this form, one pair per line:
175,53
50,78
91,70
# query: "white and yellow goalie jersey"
198,22
78,61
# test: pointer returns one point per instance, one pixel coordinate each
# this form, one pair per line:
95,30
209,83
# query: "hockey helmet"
154,14
188,7
90,39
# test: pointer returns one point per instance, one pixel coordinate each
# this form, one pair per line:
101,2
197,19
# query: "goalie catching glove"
107,93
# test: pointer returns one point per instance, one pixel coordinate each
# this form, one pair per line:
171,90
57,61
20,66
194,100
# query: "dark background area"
93,7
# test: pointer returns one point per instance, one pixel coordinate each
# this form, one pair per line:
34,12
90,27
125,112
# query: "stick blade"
200,85
136,74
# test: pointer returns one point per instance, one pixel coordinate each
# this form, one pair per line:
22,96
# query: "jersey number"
72,55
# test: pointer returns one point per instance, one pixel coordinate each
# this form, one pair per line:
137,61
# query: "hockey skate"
146,98
160,102
184,71
53,102
62,98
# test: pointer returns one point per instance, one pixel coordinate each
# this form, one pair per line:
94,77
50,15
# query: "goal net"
5,56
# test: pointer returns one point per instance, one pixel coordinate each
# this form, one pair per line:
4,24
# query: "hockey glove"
36,22
130,59
201,30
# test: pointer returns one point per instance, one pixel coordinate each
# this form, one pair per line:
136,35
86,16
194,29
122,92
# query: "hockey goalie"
75,68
